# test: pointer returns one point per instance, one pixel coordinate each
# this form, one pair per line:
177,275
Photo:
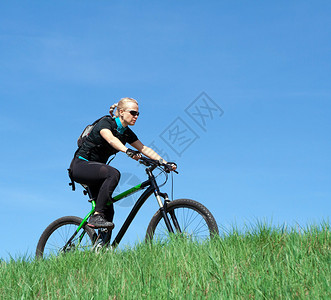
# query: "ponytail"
111,109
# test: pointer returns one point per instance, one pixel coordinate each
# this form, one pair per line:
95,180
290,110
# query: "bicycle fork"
163,207
164,212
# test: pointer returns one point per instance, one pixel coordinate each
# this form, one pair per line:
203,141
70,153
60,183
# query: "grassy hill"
265,263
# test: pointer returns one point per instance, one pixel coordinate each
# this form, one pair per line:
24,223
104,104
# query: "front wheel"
61,236
187,217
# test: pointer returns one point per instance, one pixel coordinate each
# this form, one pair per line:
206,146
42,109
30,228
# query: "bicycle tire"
55,237
195,221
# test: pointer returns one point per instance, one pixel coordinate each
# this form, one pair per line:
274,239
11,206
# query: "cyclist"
108,137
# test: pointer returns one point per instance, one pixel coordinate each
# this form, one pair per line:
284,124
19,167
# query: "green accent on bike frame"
87,216
116,198
128,192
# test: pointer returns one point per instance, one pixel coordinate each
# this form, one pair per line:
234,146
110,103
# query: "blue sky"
264,65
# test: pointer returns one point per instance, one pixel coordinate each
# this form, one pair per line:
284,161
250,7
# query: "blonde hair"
122,104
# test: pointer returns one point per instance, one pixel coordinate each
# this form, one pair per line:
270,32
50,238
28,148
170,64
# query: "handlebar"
148,162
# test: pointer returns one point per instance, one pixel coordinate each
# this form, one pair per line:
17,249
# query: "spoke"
187,219
199,226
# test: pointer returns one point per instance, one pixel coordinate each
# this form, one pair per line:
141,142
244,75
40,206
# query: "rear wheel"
61,236
187,217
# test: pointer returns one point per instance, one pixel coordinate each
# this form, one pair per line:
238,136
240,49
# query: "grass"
262,263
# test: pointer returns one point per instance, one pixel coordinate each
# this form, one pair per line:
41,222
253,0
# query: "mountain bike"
184,217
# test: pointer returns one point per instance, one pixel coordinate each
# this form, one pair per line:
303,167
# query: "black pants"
101,179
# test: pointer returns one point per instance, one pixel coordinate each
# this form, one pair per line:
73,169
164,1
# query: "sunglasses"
133,112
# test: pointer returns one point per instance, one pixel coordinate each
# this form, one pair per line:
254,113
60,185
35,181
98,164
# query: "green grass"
263,263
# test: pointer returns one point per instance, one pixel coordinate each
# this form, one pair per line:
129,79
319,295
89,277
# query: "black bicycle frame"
142,199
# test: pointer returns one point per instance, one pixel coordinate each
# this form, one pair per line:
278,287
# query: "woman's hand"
172,165
133,154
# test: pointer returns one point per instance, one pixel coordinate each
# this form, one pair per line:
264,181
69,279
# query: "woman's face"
126,114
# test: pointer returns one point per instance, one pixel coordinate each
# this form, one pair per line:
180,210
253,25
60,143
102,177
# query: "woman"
108,137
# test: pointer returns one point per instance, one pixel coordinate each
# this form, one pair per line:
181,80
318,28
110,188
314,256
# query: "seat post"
89,192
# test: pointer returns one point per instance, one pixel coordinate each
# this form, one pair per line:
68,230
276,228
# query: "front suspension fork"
164,212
